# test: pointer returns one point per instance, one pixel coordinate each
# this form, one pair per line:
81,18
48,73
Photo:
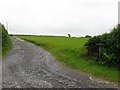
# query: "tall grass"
72,52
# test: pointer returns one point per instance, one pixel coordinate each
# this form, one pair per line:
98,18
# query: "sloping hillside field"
72,52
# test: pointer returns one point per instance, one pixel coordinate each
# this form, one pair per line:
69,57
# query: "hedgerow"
106,47
5,40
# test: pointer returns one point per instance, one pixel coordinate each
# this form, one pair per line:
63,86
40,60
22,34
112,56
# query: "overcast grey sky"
59,17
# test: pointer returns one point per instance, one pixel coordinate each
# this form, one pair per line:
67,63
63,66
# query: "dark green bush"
110,48
88,36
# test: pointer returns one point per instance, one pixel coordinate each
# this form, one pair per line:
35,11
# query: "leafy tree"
69,35
88,36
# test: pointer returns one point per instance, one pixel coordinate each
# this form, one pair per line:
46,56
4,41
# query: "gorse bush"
109,50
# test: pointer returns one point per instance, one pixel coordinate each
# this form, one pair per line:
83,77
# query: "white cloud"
59,17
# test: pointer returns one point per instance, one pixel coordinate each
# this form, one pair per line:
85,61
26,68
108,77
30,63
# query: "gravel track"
30,66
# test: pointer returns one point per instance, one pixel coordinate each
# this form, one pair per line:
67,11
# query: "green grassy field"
72,52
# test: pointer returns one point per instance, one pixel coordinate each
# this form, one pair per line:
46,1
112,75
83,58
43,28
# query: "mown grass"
72,52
